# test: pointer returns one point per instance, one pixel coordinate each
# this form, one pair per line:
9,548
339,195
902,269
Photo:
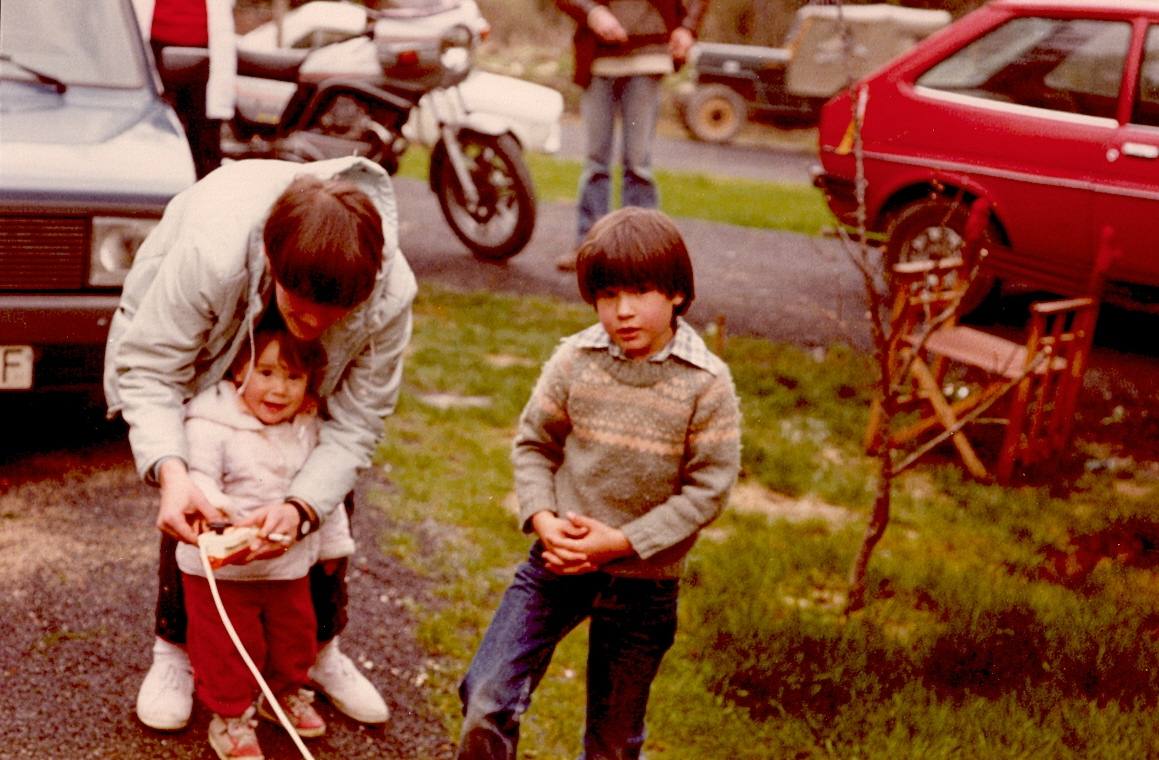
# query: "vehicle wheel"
931,229
500,224
714,113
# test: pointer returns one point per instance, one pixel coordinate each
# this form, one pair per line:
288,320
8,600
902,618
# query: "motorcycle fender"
487,124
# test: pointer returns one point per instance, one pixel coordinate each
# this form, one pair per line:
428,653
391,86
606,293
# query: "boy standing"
626,449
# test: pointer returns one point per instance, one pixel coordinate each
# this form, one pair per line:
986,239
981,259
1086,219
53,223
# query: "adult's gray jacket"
198,286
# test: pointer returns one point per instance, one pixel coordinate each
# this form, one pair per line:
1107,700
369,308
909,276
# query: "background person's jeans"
633,623
637,102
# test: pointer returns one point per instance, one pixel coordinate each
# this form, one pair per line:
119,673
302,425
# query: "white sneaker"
338,678
166,696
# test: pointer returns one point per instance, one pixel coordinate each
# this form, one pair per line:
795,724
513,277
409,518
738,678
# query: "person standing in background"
623,49
201,105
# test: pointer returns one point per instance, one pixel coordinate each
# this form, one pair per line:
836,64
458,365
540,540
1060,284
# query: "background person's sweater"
651,448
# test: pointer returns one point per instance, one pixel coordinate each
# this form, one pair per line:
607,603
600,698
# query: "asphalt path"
751,157
774,284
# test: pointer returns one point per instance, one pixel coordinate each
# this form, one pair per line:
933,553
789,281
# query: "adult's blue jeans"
633,623
636,100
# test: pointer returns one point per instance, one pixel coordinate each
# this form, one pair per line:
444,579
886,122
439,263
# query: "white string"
246,657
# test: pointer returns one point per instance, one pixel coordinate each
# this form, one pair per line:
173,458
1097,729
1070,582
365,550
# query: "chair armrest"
1067,304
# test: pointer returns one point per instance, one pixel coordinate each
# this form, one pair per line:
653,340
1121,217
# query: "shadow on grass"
1000,653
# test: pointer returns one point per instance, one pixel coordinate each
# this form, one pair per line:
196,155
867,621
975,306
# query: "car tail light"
114,244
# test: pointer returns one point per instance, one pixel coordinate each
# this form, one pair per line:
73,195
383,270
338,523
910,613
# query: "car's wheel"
714,113
931,229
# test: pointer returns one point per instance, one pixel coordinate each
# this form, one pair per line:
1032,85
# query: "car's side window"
1074,65
1147,103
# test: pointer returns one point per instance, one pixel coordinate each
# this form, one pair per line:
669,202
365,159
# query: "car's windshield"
85,43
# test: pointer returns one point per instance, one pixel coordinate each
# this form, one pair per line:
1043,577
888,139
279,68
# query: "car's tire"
930,229
714,113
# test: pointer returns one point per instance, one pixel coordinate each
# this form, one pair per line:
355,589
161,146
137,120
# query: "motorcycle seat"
282,65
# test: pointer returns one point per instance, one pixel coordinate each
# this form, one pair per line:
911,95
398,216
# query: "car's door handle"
1140,150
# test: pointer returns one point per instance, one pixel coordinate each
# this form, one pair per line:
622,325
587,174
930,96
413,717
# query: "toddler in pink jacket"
248,437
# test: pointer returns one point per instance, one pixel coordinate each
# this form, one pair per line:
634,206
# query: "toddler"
248,436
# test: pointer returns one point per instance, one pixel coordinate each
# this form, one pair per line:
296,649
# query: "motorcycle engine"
346,117
347,127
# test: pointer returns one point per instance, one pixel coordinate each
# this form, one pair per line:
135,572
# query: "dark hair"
324,241
635,248
306,356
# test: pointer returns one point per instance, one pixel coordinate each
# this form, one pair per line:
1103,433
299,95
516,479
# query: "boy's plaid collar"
686,345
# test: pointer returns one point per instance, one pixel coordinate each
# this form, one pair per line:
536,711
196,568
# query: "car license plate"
15,367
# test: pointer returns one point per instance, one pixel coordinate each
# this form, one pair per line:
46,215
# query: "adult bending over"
318,242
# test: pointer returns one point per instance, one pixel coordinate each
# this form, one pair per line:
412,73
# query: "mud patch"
753,498
1130,543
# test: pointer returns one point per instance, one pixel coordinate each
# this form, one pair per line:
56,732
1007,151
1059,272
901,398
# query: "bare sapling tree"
858,250
871,266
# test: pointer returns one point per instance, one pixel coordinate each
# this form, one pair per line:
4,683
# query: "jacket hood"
223,405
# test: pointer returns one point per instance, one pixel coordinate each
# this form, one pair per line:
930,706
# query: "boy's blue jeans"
636,100
633,623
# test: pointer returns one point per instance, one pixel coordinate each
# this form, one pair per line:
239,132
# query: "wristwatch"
307,518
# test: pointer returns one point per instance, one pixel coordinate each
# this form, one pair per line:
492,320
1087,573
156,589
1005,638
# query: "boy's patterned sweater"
649,447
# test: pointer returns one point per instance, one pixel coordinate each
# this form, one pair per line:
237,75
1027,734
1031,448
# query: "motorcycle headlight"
456,59
115,242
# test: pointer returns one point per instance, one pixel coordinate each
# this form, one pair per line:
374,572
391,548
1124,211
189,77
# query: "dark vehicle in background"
89,156
788,85
1046,109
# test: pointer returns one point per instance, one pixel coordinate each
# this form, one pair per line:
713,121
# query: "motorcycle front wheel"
500,224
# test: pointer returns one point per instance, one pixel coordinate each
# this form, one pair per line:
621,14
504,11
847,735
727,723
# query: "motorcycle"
291,106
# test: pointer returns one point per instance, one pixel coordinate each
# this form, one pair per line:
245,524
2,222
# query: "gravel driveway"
77,571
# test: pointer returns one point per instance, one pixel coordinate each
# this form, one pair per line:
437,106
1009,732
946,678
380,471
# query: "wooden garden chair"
1034,384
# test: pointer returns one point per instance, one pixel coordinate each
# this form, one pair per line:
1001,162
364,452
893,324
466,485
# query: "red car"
1048,109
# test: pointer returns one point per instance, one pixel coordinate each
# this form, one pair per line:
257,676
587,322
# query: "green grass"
968,648
729,200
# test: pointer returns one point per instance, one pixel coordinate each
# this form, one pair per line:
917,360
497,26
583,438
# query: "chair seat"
990,353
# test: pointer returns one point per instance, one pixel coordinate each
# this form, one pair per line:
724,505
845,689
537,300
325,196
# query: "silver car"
89,156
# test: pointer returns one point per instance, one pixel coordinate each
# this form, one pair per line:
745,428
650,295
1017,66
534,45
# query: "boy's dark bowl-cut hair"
324,241
635,248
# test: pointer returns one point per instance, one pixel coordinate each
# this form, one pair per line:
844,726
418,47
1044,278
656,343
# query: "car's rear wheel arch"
928,221
911,194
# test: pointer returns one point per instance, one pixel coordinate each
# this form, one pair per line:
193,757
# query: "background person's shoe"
338,678
235,738
165,698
